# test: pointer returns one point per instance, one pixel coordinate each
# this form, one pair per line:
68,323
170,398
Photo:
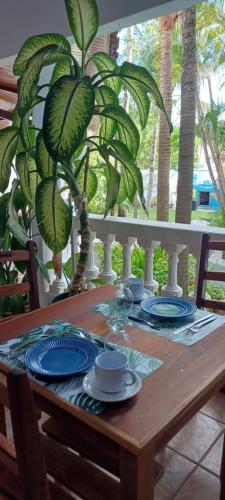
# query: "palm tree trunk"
166,26
151,169
187,119
187,134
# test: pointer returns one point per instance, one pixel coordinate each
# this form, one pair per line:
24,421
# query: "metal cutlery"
143,321
199,321
193,330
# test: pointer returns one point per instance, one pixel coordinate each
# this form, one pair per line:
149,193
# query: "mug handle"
133,377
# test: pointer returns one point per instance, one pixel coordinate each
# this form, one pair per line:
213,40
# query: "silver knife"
190,325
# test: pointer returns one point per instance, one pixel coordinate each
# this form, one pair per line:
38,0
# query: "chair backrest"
205,275
83,472
31,285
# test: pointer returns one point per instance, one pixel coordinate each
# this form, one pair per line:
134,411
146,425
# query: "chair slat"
82,476
217,245
214,276
14,256
85,441
213,304
14,289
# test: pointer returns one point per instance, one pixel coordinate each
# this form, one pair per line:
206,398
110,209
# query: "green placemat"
167,327
12,352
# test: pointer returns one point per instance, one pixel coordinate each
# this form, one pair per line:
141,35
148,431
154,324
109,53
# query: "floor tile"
177,469
196,437
215,407
200,486
212,460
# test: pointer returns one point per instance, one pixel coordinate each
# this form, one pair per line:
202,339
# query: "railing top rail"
146,230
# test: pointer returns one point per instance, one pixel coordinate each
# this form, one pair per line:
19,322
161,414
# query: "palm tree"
187,133
187,118
166,27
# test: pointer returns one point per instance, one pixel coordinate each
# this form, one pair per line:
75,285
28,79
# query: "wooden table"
169,398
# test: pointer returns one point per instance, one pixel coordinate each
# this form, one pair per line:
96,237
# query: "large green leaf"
129,185
122,191
29,178
135,173
133,180
83,20
135,77
92,183
105,95
62,68
4,199
106,66
68,111
8,142
23,170
113,182
33,45
113,186
54,216
127,130
139,94
27,134
44,162
119,151
13,220
29,80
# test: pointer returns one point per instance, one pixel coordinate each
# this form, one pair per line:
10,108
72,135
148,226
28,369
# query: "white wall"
23,18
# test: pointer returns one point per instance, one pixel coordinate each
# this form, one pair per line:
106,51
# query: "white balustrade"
149,280
92,270
172,287
107,274
127,244
172,237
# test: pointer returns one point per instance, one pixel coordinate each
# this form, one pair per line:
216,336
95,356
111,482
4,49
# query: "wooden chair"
31,286
205,275
80,461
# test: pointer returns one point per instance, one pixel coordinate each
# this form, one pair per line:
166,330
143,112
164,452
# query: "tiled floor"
192,458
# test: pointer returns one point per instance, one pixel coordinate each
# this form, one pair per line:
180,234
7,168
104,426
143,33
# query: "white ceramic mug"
136,286
112,373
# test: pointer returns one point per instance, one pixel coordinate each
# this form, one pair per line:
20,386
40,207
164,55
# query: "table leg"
137,475
2,420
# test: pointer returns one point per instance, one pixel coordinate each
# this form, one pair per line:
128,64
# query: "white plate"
109,397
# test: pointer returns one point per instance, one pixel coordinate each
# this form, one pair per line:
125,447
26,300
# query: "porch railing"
149,235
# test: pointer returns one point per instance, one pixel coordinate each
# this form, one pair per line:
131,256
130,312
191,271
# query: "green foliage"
62,149
160,268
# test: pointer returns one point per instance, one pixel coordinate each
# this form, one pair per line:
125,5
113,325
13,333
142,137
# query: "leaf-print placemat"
12,352
167,328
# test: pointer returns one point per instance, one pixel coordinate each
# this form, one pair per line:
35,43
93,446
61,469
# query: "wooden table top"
169,397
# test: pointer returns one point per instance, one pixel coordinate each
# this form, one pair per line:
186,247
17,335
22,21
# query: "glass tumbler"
121,307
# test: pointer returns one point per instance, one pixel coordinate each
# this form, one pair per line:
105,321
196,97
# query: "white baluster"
172,288
149,280
92,269
107,274
127,244
58,286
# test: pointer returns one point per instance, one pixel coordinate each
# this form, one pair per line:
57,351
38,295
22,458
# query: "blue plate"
61,356
168,307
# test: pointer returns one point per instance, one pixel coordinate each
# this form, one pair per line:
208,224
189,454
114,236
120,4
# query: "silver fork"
193,330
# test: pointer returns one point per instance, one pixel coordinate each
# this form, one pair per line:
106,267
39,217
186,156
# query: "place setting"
66,358
174,318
